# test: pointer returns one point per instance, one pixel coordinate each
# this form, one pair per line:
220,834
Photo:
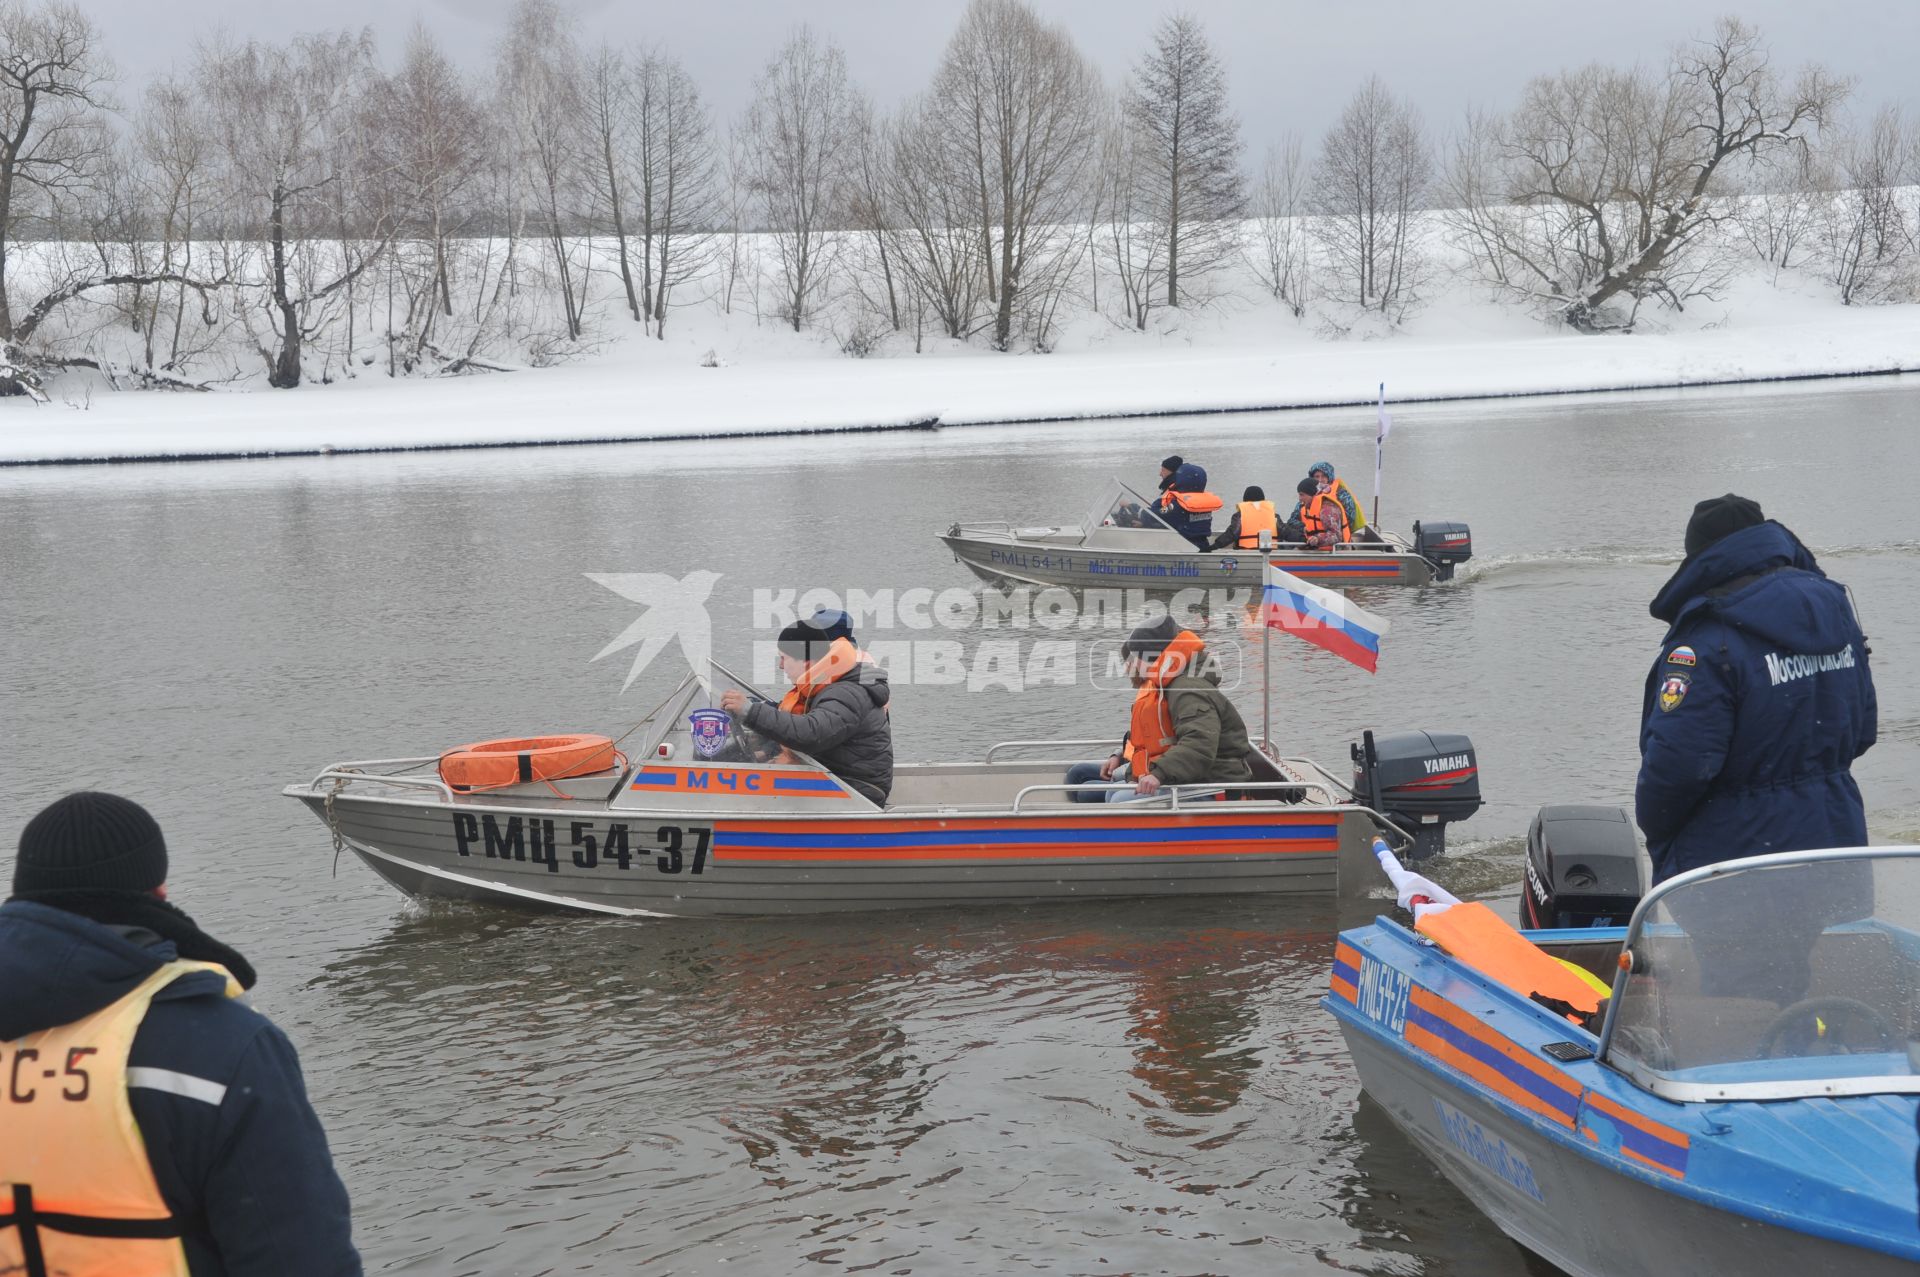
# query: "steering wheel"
1831,1005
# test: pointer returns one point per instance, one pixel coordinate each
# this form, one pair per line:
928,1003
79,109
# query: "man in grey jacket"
836,712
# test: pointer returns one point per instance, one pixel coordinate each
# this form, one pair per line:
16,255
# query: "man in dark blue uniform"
1755,708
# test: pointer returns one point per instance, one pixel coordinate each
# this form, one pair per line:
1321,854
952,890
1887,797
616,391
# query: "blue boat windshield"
1792,979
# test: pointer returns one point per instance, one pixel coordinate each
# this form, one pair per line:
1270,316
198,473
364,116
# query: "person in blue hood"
1758,703
136,1007
1186,506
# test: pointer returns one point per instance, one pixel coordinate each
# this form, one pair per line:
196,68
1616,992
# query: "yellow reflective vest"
77,1194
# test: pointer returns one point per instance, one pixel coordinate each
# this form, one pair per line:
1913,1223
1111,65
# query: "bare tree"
677,196
802,136
1369,184
871,211
1025,108
431,149
1778,208
1177,111
275,114
1278,249
1866,233
736,202
170,139
609,98
936,235
540,97
53,136
1132,232
1610,177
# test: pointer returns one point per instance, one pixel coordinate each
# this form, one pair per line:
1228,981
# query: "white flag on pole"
1386,419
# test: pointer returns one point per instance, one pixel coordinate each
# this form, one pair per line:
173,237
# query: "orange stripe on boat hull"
930,824
1470,1025
1089,851
1447,1053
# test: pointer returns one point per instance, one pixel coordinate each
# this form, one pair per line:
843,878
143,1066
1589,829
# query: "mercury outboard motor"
1583,869
1445,545
1421,781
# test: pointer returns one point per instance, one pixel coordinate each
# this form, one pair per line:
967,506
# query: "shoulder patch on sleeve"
1681,656
1673,690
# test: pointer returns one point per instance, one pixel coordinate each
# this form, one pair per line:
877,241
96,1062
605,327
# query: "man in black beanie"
127,1002
836,711
1755,708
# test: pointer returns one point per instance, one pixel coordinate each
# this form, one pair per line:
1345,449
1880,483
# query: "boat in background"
1747,1105
1122,543
711,820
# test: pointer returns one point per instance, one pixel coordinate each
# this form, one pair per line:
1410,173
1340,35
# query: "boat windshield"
700,731
1782,976
1121,507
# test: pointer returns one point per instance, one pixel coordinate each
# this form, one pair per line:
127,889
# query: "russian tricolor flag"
1322,617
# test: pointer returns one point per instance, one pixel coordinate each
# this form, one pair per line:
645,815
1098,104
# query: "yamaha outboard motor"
1583,869
1445,545
1421,781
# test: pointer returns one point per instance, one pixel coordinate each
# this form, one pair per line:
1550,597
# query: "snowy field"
1243,352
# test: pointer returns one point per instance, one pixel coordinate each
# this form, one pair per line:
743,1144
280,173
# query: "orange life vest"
76,1188
840,659
1257,517
1191,502
1151,732
1314,523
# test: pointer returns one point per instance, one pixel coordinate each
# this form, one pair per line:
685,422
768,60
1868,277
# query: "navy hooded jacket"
1755,709
1197,528
235,1147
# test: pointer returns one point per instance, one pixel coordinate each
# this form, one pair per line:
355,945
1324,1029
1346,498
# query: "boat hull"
1073,567
673,864
1581,1215
1576,1163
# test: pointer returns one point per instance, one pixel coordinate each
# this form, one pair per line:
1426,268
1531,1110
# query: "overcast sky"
1291,64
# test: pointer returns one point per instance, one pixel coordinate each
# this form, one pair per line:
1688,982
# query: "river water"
1138,1088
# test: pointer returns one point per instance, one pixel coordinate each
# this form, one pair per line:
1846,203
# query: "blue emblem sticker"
1682,656
1672,692
711,728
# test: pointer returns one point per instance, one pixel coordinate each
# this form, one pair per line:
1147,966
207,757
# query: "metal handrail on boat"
348,773
1105,743
1173,792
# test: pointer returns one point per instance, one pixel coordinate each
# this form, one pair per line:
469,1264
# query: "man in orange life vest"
1254,516
836,711
150,1121
1184,730
1322,523
1186,506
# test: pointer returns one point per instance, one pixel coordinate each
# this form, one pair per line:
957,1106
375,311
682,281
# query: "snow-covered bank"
772,382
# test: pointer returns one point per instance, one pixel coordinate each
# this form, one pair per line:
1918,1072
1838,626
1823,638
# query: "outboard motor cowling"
1421,781
1583,869
1445,545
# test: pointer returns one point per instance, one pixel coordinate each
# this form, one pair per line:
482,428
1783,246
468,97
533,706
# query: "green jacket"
1209,737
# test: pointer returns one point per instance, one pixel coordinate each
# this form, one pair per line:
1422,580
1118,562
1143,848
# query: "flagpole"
1266,666
1379,442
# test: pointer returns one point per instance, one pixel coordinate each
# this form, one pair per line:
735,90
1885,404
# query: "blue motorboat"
1744,1102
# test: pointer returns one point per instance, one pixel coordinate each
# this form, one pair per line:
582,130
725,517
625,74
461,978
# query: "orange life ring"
491,764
